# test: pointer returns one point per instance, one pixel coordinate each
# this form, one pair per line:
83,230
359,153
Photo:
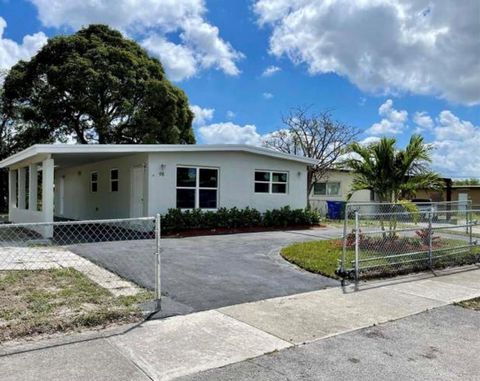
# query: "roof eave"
113,148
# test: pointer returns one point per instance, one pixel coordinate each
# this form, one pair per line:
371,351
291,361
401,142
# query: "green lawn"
34,302
322,257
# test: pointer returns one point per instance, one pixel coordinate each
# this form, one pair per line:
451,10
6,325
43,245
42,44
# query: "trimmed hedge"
177,220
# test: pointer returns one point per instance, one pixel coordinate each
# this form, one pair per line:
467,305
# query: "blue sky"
388,68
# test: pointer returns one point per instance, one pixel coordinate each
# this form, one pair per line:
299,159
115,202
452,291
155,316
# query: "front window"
271,182
327,189
114,179
197,188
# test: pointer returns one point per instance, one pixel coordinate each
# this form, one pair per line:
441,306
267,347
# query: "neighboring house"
335,187
85,182
467,193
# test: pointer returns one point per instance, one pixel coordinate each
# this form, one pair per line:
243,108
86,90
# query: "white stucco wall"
345,179
236,183
81,204
236,179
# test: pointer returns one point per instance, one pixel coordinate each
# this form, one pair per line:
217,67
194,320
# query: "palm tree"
391,172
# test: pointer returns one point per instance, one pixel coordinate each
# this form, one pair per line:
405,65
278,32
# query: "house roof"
473,186
40,151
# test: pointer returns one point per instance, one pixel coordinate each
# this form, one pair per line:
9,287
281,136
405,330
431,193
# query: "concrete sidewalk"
185,345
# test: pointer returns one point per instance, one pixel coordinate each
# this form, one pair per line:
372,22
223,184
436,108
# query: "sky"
389,68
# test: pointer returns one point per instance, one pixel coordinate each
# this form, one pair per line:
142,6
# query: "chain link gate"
117,256
387,239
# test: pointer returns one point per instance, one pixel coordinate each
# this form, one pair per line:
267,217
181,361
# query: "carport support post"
47,195
22,182
32,187
12,192
158,284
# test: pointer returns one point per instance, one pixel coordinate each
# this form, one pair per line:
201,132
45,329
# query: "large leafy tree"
96,86
392,172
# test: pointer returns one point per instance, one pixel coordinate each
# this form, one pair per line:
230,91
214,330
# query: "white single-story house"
335,187
88,182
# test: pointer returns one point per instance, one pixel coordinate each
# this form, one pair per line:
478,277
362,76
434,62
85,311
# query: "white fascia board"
53,149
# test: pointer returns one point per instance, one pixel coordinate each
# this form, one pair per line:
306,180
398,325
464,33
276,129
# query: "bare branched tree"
314,135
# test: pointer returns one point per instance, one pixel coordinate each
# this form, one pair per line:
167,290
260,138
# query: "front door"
137,179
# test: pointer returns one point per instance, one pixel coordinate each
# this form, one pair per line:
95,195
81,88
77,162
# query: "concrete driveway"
201,273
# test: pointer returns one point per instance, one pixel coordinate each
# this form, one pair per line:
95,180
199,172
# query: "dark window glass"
208,178
320,189
95,176
262,176
208,199
186,198
114,186
94,187
279,188
114,174
279,177
261,187
186,177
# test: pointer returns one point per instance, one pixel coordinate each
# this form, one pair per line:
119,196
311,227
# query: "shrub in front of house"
177,220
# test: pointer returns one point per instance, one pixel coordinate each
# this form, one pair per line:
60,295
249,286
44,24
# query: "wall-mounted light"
162,170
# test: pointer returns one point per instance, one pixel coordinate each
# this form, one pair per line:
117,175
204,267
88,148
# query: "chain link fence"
76,267
390,240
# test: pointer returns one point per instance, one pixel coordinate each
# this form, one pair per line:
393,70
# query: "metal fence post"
344,246
430,239
357,245
158,284
470,229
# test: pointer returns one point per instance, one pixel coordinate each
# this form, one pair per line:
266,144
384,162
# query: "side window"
94,182
262,182
271,182
114,180
327,189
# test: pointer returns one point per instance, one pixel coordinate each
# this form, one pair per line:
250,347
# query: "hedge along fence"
177,220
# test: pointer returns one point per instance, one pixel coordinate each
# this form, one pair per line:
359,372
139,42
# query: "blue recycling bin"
335,209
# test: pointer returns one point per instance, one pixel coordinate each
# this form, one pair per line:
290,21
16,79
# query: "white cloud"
423,121
456,145
11,52
199,44
231,114
178,60
201,115
369,140
271,70
230,133
267,95
392,123
385,46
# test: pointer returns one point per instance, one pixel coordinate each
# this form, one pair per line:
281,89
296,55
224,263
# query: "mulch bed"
220,231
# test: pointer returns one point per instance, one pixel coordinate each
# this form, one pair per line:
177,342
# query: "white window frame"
117,180
197,187
326,187
270,182
93,182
